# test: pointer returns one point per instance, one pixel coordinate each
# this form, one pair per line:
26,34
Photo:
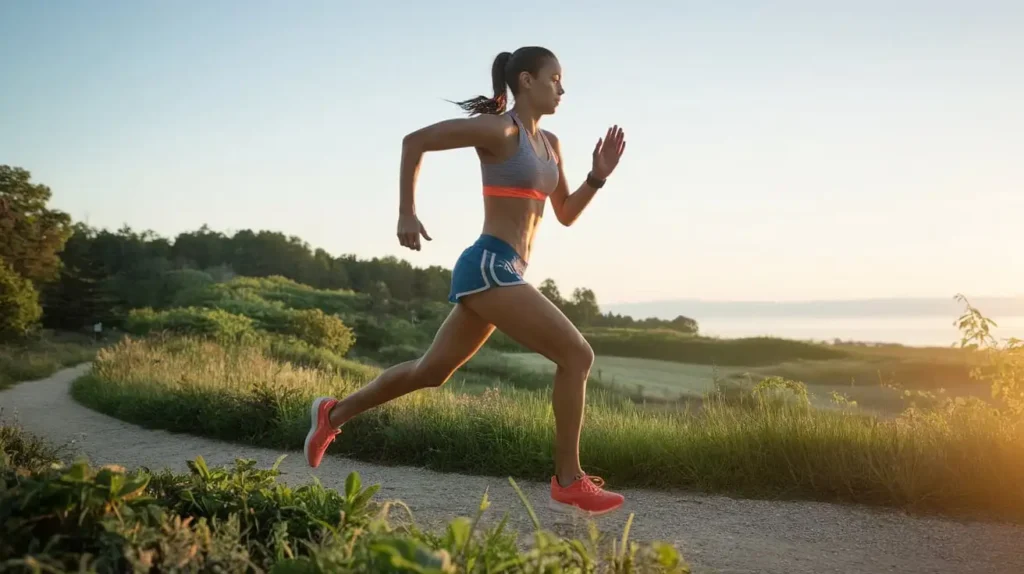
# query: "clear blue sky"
793,151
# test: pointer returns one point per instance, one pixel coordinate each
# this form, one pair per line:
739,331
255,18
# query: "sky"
802,150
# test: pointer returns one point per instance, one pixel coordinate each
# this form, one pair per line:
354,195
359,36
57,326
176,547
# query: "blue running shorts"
489,262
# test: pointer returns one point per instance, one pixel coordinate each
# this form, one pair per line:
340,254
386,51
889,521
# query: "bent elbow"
411,141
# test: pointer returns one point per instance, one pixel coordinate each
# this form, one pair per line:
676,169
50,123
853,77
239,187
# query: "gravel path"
715,533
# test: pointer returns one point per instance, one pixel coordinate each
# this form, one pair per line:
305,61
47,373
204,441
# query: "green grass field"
682,381
965,461
663,378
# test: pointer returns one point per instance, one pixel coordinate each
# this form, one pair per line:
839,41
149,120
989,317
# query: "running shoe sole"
314,415
572,509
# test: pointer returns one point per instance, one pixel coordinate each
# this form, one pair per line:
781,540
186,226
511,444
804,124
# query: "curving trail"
715,533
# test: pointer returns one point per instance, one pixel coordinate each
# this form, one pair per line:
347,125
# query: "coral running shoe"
321,433
584,495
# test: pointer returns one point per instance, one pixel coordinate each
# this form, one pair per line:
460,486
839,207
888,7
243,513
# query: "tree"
19,304
549,289
684,324
31,235
584,308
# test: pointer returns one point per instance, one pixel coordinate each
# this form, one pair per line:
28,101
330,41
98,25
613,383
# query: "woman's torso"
516,187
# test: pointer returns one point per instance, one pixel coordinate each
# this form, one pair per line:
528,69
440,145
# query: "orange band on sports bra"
500,191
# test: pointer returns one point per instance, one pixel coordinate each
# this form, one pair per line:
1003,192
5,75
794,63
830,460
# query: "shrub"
216,324
317,328
19,304
177,281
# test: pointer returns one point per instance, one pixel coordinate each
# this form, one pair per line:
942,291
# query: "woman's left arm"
569,206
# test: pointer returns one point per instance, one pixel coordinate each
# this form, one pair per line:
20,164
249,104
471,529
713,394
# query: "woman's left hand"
608,151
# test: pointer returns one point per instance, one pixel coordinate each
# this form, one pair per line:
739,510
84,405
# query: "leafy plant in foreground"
80,518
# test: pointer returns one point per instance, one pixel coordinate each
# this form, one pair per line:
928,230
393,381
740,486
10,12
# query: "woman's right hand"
409,231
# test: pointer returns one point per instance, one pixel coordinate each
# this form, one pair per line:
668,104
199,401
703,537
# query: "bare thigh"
459,338
526,315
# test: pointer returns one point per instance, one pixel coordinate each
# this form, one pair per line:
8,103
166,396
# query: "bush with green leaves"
320,329
19,304
56,517
216,324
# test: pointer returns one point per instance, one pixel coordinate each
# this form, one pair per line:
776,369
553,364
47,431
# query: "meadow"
876,383
61,516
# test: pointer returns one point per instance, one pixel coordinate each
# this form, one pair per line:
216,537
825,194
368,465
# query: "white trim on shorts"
483,273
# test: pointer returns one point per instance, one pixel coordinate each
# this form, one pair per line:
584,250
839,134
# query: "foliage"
1005,369
31,235
320,330
19,304
583,310
23,451
249,322
58,517
108,273
214,323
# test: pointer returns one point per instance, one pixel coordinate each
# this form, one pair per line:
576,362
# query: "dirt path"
716,534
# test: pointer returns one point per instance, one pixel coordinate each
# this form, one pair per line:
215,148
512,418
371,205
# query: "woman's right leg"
526,315
459,338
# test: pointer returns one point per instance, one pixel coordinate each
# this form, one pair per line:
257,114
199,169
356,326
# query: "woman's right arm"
486,132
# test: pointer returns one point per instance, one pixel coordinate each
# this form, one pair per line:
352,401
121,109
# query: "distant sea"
912,322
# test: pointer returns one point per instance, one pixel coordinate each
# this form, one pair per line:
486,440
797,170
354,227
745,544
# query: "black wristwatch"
594,182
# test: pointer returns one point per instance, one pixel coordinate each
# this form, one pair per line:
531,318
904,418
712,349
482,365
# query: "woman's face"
544,91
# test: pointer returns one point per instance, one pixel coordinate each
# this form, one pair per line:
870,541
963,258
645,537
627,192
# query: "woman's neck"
530,119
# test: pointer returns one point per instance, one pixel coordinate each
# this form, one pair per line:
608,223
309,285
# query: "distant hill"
993,307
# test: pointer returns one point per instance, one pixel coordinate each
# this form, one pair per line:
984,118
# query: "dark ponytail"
504,75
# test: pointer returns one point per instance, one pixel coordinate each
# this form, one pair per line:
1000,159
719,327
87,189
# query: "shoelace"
592,483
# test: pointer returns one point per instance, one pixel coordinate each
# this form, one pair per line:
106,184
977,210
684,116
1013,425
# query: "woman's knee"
429,372
578,357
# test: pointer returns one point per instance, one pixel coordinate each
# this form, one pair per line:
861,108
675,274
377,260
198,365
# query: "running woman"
522,169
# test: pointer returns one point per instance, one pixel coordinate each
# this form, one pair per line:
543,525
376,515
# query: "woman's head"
533,75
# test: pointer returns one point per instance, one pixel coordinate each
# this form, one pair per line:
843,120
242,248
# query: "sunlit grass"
769,444
40,358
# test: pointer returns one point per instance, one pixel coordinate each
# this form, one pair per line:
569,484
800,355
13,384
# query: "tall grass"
39,358
968,459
